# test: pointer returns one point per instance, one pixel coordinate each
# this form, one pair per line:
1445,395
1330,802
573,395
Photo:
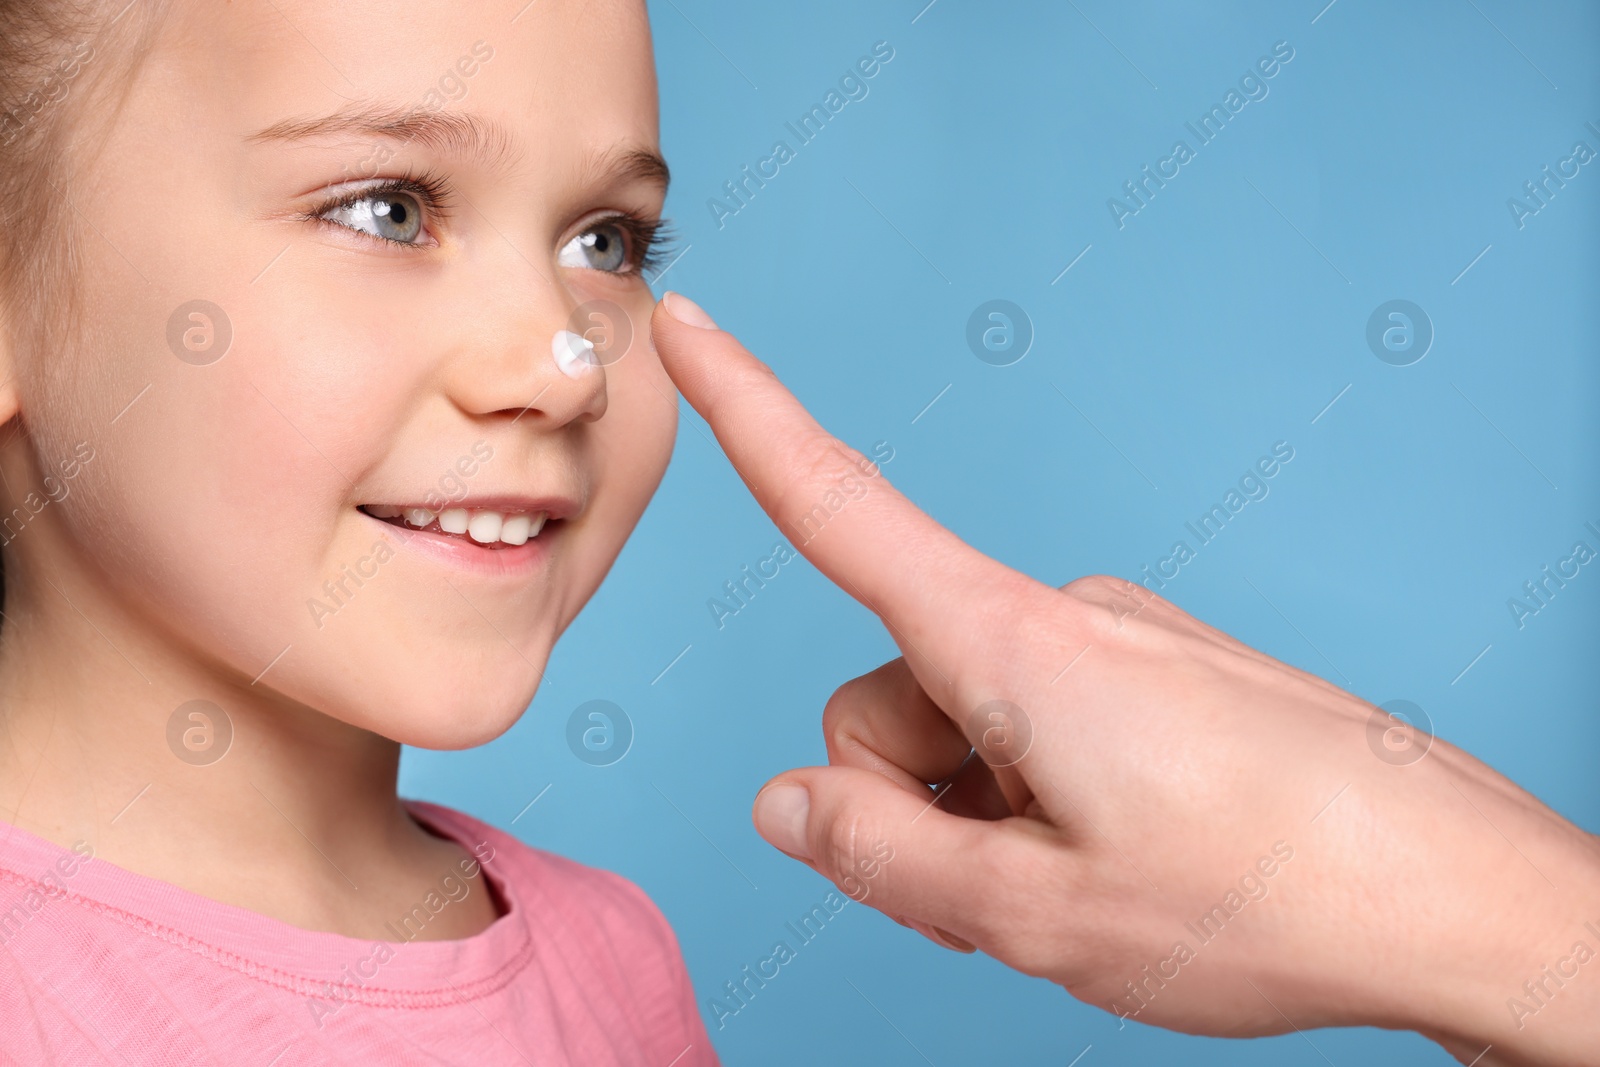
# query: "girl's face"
325,250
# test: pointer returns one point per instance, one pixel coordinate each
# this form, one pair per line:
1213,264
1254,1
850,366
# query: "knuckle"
831,463
826,475
845,841
1095,586
843,725
1105,605
1035,628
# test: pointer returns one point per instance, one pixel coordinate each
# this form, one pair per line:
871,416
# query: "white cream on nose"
574,353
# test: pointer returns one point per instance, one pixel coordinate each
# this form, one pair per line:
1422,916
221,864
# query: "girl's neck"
113,736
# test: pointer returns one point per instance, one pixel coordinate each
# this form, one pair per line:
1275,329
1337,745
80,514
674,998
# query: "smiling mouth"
482,527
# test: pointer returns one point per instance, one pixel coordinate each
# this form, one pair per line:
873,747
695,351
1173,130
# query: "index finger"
937,594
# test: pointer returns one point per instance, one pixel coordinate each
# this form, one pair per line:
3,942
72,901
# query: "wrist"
1521,985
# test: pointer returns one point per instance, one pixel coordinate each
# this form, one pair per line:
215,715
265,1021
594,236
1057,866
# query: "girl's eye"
603,246
393,216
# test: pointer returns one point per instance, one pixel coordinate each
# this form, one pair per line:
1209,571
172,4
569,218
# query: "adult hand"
1169,824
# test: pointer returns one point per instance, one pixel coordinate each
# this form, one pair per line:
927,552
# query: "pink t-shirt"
99,965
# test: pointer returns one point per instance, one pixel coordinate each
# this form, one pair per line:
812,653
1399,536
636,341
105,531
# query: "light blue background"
1225,316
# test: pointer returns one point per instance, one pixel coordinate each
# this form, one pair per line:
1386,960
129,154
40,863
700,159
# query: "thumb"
904,855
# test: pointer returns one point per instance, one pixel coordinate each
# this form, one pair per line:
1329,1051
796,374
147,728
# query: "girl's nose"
539,370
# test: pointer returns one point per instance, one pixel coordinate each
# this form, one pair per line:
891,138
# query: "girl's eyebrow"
446,131
625,164
461,133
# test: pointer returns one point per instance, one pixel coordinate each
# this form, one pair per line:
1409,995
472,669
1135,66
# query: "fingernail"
683,309
940,936
960,944
781,814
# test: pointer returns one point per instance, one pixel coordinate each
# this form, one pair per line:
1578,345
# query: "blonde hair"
58,60
62,64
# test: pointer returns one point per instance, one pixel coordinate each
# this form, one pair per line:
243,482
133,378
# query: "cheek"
222,484
644,434
640,442
630,448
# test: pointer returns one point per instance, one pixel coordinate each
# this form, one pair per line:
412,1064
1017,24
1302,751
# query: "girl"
302,463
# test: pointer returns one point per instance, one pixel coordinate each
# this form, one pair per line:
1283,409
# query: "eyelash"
649,239
430,189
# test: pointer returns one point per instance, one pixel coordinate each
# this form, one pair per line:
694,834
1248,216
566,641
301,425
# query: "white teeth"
515,530
484,527
519,529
